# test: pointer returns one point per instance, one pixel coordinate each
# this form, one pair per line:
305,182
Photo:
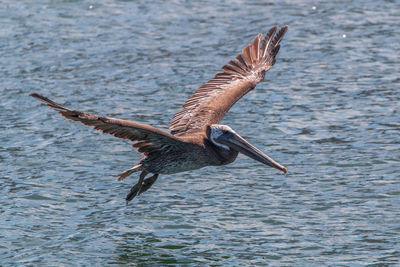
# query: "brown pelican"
196,139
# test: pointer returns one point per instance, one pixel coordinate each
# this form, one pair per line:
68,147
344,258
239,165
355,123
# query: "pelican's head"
223,136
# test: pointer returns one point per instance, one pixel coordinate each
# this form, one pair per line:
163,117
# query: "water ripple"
328,110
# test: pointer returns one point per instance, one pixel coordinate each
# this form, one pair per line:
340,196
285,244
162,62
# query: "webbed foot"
136,188
147,183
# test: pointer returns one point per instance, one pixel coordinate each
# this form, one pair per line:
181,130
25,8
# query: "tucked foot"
134,192
147,183
136,188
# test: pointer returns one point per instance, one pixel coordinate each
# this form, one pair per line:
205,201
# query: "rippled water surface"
328,110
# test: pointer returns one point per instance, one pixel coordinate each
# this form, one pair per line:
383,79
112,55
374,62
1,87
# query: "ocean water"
329,110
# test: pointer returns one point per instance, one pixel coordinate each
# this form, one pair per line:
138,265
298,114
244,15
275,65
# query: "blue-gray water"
328,110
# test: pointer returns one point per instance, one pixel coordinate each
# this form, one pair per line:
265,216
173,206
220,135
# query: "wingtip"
40,97
34,95
273,28
50,103
284,28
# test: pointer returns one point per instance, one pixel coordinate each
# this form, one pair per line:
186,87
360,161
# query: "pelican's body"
195,139
199,153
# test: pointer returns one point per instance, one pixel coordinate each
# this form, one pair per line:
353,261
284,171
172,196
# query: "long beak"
238,143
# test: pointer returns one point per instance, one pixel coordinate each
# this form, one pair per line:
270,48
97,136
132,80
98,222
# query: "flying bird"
195,139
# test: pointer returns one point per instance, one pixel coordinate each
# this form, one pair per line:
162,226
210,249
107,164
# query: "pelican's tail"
128,172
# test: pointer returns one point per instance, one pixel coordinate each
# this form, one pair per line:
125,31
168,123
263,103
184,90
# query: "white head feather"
218,130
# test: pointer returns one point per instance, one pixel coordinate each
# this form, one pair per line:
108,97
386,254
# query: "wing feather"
213,99
145,137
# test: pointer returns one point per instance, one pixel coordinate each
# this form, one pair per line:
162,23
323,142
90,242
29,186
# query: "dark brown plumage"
213,99
196,140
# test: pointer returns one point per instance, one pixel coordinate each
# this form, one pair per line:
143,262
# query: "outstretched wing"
147,138
213,99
